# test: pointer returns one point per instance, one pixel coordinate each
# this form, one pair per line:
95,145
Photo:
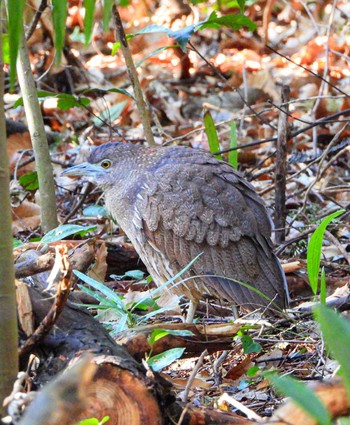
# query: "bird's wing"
199,205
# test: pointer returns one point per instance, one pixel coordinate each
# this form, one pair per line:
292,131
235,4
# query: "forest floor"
237,76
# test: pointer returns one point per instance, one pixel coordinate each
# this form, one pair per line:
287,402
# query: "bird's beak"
84,169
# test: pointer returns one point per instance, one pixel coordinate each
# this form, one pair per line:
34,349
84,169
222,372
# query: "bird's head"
105,164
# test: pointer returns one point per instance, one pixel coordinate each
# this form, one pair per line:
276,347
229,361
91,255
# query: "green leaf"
336,333
65,230
249,345
241,4
15,31
252,371
323,287
59,16
102,92
88,19
94,421
180,332
6,49
156,335
135,274
90,421
233,155
110,114
16,243
94,211
29,181
105,303
314,250
67,101
42,94
107,13
145,304
162,360
235,22
108,293
210,129
301,395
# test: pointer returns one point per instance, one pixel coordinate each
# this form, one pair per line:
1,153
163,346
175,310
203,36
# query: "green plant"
159,361
94,421
233,155
314,250
212,135
112,304
336,333
182,36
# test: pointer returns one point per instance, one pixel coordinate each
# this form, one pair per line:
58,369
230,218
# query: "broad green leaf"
65,230
252,371
302,396
162,360
233,155
110,114
213,140
95,210
135,274
232,21
59,16
88,19
90,421
67,101
29,181
94,421
249,345
15,31
16,243
107,13
156,335
336,333
314,250
42,94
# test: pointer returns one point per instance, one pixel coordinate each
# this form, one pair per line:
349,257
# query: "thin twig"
37,16
221,76
307,70
339,246
140,101
193,375
281,167
324,82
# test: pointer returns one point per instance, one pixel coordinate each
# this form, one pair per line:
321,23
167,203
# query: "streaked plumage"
175,203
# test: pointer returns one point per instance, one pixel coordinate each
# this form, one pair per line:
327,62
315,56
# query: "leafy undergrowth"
89,103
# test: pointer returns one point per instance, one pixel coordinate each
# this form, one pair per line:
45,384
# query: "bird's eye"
106,163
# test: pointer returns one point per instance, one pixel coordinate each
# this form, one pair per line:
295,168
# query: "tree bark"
8,322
